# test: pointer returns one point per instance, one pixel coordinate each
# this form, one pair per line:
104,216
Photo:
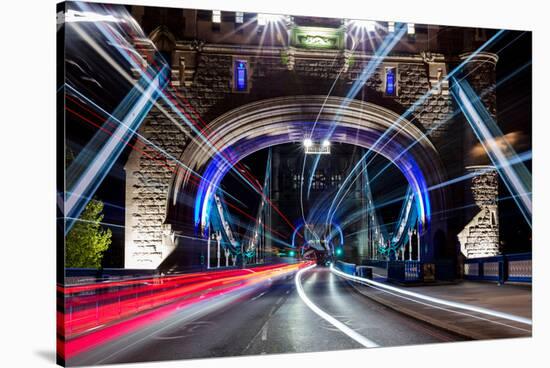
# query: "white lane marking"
327,317
264,332
259,296
448,303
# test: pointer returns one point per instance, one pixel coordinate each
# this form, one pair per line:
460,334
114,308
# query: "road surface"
269,319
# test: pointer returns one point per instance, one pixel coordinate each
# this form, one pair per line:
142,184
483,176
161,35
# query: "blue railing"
503,268
405,271
345,267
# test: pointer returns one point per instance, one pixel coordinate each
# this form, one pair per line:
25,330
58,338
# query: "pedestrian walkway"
512,299
508,298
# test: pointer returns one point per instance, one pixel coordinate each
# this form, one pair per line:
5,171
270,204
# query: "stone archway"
252,127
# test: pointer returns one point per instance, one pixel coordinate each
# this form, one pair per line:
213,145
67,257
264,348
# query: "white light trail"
103,161
516,178
327,317
72,16
161,94
332,210
471,308
264,19
369,25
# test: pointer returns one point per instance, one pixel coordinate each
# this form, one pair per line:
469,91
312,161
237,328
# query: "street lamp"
308,142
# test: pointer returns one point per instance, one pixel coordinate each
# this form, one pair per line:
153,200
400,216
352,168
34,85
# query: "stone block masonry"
148,175
480,237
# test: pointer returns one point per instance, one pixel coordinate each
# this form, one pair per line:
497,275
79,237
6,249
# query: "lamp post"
208,251
226,251
418,244
218,240
242,255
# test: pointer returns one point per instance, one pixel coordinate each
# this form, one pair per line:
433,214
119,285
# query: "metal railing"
405,271
503,268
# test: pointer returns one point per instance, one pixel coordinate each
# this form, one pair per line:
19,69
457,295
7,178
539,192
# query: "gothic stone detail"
480,237
437,71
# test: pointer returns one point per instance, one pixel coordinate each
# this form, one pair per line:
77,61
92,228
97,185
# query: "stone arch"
255,126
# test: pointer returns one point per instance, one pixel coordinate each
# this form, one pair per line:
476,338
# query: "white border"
28,180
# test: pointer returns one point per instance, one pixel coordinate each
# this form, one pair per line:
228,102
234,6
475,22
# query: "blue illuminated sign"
241,76
390,81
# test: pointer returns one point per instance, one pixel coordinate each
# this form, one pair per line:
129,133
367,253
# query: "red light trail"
98,313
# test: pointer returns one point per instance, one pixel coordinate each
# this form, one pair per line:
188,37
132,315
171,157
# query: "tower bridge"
281,99
285,158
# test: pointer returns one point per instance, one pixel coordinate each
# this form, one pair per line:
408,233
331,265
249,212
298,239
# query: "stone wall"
203,78
148,175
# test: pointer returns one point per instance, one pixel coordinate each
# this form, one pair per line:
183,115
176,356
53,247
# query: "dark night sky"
514,114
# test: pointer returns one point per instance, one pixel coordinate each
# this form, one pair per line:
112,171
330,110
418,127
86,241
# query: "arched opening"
253,127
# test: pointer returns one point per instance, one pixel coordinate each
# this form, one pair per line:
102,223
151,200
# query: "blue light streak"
92,165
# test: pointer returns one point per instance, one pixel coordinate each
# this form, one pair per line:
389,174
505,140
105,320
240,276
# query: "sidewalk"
507,298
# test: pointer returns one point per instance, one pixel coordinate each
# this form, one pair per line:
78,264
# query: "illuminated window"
240,76
335,180
390,89
319,181
410,29
297,181
239,17
391,27
216,16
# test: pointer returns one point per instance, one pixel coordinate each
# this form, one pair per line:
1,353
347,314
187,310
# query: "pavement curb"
422,317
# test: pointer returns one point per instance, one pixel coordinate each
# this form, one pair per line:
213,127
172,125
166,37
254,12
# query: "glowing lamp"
263,19
368,25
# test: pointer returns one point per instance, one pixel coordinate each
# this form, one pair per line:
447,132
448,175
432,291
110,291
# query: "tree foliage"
87,240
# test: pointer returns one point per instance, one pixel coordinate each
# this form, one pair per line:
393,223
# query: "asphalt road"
268,319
